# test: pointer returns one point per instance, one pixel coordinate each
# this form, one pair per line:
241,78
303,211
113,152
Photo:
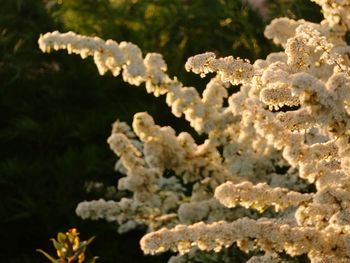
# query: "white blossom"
284,132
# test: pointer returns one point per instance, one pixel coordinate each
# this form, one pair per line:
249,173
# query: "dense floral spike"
259,196
286,129
268,234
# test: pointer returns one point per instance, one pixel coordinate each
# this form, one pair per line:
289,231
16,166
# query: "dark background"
56,111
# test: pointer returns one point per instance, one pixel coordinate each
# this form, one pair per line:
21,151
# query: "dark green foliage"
56,114
295,9
177,29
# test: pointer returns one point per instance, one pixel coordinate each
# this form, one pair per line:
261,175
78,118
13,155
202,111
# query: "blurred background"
56,111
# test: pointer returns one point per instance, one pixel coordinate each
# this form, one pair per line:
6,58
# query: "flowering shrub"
283,134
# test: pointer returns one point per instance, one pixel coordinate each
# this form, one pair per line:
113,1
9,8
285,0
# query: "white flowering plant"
280,146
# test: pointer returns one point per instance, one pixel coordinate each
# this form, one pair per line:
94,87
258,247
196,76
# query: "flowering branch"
286,129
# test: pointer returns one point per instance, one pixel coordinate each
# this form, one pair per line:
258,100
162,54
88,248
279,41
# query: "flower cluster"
283,134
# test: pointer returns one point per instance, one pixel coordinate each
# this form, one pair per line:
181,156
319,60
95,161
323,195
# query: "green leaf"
18,45
57,245
90,240
53,260
93,260
61,237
